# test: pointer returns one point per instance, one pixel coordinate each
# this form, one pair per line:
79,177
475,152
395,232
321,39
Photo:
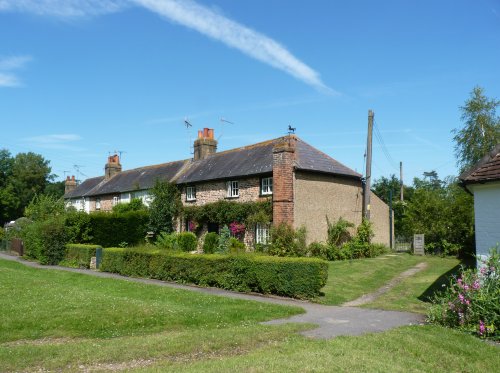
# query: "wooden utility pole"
401,180
367,191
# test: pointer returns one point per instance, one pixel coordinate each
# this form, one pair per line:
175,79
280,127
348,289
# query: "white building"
483,181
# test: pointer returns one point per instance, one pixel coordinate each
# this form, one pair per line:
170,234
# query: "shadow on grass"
444,279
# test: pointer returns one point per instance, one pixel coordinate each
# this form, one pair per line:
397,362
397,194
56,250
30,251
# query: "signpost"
418,244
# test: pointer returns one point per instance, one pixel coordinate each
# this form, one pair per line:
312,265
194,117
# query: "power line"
385,151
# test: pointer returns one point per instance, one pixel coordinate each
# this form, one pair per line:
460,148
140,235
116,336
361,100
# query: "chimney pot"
205,144
73,178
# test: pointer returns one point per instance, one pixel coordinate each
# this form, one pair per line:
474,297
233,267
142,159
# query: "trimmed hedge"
113,229
291,277
79,255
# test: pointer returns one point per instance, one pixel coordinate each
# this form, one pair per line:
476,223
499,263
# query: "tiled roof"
256,159
487,169
84,188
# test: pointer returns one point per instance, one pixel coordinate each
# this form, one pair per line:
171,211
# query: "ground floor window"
262,235
97,203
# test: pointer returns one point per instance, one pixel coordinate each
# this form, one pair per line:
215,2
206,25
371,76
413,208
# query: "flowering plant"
237,229
471,300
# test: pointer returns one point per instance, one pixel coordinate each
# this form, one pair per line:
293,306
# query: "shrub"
225,235
165,207
134,205
319,250
43,207
338,233
45,240
110,230
285,241
187,241
79,255
293,277
78,227
236,246
364,232
167,241
470,302
211,243
443,248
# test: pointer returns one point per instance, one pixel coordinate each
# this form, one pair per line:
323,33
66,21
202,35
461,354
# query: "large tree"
481,130
21,178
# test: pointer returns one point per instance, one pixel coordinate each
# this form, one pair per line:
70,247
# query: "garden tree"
165,207
382,187
443,212
481,131
21,178
55,188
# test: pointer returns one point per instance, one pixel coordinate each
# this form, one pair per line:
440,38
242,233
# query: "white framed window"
97,203
116,200
191,193
266,186
233,189
262,233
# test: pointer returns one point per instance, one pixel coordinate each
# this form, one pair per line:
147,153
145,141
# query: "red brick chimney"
113,166
283,166
205,144
69,184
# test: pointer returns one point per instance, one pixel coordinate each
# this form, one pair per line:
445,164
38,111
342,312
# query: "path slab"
332,321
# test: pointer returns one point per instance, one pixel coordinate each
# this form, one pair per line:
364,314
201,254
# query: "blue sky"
79,79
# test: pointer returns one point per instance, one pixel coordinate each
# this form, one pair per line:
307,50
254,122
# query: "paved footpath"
332,321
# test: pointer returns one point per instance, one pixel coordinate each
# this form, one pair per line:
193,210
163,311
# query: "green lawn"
413,293
54,320
350,279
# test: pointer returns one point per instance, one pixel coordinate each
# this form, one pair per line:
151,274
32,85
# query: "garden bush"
211,243
471,301
167,241
113,229
338,233
225,236
187,241
45,240
135,204
78,255
319,250
292,277
236,246
286,241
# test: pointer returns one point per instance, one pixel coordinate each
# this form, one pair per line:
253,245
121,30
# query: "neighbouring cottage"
304,184
483,181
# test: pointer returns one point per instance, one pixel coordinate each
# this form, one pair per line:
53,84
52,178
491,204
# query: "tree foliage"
21,178
481,131
165,207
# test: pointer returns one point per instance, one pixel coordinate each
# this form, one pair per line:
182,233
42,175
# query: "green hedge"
108,229
291,277
79,255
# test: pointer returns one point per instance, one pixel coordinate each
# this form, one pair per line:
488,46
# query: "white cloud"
7,64
63,8
57,141
252,43
14,62
189,14
9,80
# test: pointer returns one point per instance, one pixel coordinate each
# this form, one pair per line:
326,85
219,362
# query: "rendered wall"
487,216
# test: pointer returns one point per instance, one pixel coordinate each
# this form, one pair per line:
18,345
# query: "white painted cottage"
483,181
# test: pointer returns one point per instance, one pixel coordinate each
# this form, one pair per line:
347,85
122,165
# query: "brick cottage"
304,185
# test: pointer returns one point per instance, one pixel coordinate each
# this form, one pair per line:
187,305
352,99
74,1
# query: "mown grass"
407,349
413,294
58,321
350,279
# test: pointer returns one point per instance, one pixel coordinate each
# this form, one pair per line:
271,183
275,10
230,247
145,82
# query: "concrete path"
367,298
332,321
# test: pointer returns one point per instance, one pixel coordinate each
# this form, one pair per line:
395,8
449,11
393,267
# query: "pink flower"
476,285
461,298
482,328
466,287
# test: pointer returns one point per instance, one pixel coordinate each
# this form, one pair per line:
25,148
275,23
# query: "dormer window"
233,190
191,193
266,186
